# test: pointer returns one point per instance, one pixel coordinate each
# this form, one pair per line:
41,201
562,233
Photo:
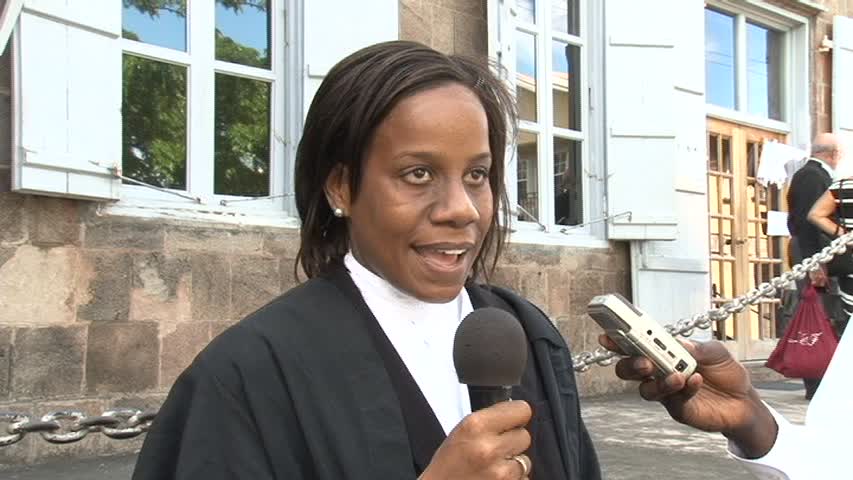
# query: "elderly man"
807,186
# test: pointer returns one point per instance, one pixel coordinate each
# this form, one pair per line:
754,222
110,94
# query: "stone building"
109,286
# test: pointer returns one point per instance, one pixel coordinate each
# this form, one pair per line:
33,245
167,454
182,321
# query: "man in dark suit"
807,185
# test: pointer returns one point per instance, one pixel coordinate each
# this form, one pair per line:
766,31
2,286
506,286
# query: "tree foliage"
155,118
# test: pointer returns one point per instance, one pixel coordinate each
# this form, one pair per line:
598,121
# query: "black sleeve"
203,431
808,190
589,466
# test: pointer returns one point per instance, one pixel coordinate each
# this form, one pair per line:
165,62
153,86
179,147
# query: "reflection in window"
526,75
565,15
764,71
526,10
568,182
242,136
528,177
154,122
720,58
566,82
243,32
159,23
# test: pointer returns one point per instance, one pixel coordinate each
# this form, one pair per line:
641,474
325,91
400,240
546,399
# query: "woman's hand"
483,445
719,397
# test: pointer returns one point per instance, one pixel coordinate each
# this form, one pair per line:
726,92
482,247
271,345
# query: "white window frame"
546,231
796,90
285,122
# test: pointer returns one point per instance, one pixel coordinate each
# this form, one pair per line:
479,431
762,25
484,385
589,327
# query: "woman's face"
425,203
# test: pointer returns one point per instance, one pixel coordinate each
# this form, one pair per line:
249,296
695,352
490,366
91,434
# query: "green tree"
155,116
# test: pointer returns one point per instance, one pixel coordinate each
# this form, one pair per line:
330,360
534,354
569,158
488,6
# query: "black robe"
308,387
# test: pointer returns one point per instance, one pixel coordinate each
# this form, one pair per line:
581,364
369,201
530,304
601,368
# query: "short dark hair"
354,98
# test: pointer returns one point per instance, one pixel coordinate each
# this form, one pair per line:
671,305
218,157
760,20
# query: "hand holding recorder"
718,397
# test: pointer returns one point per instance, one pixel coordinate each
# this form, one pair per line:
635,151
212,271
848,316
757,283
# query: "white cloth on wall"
778,162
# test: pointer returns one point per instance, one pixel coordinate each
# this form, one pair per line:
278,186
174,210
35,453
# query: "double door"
742,254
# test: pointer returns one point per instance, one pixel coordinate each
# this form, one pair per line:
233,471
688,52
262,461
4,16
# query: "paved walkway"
636,440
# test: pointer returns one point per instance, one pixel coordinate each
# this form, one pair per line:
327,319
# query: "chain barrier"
686,326
72,426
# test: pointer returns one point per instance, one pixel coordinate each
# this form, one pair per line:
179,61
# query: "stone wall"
104,311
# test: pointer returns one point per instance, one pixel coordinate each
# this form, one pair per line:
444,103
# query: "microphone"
490,353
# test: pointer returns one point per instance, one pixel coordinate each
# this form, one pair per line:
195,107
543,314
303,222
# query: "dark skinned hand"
719,397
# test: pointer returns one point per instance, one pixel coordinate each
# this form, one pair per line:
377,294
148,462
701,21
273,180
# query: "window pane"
528,177
242,143
720,58
243,32
764,71
565,16
568,182
526,10
149,22
526,75
566,82
154,122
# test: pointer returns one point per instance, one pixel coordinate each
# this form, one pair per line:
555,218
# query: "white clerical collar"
829,170
364,278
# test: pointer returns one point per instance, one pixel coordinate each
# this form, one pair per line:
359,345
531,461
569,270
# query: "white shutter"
9,12
842,78
671,278
501,18
67,98
335,29
641,151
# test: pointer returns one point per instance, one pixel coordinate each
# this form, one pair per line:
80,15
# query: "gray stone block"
219,240
12,218
54,221
138,234
48,361
585,285
122,357
5,362
287,273
282,243
109,287
529,254
157,272
6,71
5,129
179,349
254,282
5,178
211,287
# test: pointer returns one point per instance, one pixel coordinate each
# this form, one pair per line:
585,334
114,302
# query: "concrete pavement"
636,440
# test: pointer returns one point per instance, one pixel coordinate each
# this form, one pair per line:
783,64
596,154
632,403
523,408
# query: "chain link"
72,426
703,321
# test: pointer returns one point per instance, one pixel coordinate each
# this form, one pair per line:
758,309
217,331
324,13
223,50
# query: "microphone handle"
484,397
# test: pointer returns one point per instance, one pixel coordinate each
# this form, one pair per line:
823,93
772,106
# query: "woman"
399,181
833,215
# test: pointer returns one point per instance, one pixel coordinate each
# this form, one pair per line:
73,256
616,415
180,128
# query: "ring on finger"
524,462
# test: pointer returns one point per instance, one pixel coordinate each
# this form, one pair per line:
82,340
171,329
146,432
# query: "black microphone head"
490,349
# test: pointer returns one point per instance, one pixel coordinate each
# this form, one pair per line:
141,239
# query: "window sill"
581,239
747,119
190,212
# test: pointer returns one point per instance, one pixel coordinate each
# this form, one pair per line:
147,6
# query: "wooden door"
742,254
